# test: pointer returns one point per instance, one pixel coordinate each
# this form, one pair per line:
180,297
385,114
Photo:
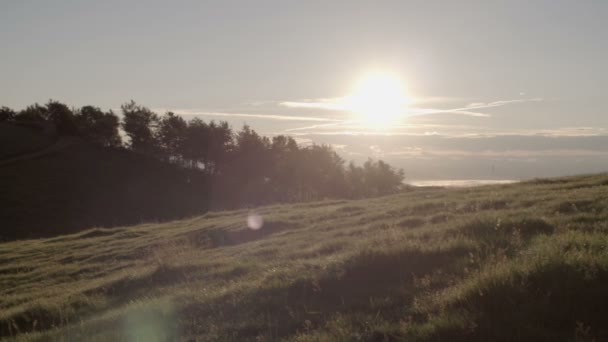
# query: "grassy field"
520,262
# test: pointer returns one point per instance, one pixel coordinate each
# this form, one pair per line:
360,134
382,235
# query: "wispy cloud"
468,110
460,111
443,153
318,126
339,104
188,112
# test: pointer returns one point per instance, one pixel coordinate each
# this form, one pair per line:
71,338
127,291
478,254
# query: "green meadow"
518,262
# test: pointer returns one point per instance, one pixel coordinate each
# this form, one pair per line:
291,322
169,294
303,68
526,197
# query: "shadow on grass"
383,283
556,301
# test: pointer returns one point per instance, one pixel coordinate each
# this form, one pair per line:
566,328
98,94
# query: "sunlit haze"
378,99
445,90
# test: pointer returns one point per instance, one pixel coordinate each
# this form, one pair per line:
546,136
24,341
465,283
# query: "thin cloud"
500,103
320,126
455,131
496,154
324,104
460,111
475,105
186,112
335,104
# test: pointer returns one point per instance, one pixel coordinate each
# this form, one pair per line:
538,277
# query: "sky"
498,89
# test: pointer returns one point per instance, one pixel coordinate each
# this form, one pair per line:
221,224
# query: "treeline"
243,168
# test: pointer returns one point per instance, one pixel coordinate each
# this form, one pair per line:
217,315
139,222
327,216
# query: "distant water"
461,182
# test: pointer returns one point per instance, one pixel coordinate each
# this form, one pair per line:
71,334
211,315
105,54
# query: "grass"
526,262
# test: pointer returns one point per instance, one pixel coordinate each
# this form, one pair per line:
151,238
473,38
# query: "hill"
520,262
50,187
20,139
62,170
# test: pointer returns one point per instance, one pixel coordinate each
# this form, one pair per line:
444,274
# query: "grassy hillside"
79,185
17,140
525,262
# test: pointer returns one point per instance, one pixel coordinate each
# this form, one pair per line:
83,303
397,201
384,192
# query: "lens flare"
255,221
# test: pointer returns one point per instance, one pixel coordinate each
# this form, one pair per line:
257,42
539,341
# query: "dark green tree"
33,113
62,117
7,114
250,167
140,124
171,135
196,140
98,126
220,143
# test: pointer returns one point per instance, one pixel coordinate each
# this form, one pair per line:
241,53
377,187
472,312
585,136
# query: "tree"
62,117
249,168
320,173
355,180
99,127
172,132
220,143
139,124
7,114
33,113
284,153
194,146
380,178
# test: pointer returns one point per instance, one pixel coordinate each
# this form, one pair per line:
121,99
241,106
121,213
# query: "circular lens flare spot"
255,221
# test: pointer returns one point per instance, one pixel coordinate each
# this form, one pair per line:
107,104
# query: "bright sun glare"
378,99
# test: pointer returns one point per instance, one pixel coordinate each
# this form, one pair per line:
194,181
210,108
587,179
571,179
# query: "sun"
378,99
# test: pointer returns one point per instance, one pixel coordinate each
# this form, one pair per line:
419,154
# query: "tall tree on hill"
99,127
380,178
285,153
172,132
194,145
220,143
249,167
206,146
140,124
32,113
62,117
7,114
355,180
320,173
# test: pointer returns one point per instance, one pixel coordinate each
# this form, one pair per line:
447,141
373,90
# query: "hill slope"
80,185
17,140
524,262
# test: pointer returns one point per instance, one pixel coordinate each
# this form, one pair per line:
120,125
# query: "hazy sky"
532,68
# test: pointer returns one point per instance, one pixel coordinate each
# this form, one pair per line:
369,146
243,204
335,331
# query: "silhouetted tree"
249,166
172,132
194,145
139,124
380,178
320,173
7,114
355,180
220,143
236,168
99,127
33,113
284,152
62,117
